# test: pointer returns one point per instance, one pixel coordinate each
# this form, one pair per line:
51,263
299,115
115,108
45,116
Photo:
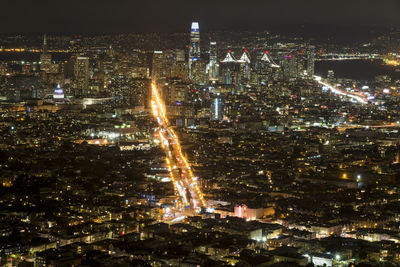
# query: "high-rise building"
310,60
266,69
141,88
81,75
45,58
174,92
161,65
179,69
289,67
179,55
178,93
44,44
263,68
213,65
230,69
199,75
245,65
217,109
194,47
126,92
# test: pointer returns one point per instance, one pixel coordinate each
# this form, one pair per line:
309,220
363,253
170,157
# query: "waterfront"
356,69
31,56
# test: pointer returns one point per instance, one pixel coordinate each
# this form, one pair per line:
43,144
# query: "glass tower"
194,47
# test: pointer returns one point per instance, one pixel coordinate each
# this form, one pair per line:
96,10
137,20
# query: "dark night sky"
175,15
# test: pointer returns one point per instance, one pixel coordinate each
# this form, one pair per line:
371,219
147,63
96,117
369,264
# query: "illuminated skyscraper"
44,44
45,58
81,75
310,60
217,109
245,65
289,67
175,93
266,68
194,47
157,68
162,65
179,69
230,69
139,92
212,67
199,75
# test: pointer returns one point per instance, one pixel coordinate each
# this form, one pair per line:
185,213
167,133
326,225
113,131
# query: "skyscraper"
230,69
44,44
194,47
179,68
212,67
140,88
310,60
157,65
289,67
175,93
81,75
45,58
161,65
217,108
245,65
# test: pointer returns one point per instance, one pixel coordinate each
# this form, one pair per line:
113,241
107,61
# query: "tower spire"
44,44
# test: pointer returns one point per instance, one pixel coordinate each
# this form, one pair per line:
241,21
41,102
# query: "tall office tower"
179,55
245,65
263,68
161,65
175,93
156,65
179,68
213,65
81,76
217,109
310,60
180,92
45,58
289,66
44,44
230,69
267,69
141,91
199,75
194,47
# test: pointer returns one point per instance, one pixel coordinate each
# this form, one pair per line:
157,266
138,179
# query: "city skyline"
276,147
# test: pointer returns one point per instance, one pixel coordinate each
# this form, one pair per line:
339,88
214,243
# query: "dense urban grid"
199,149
